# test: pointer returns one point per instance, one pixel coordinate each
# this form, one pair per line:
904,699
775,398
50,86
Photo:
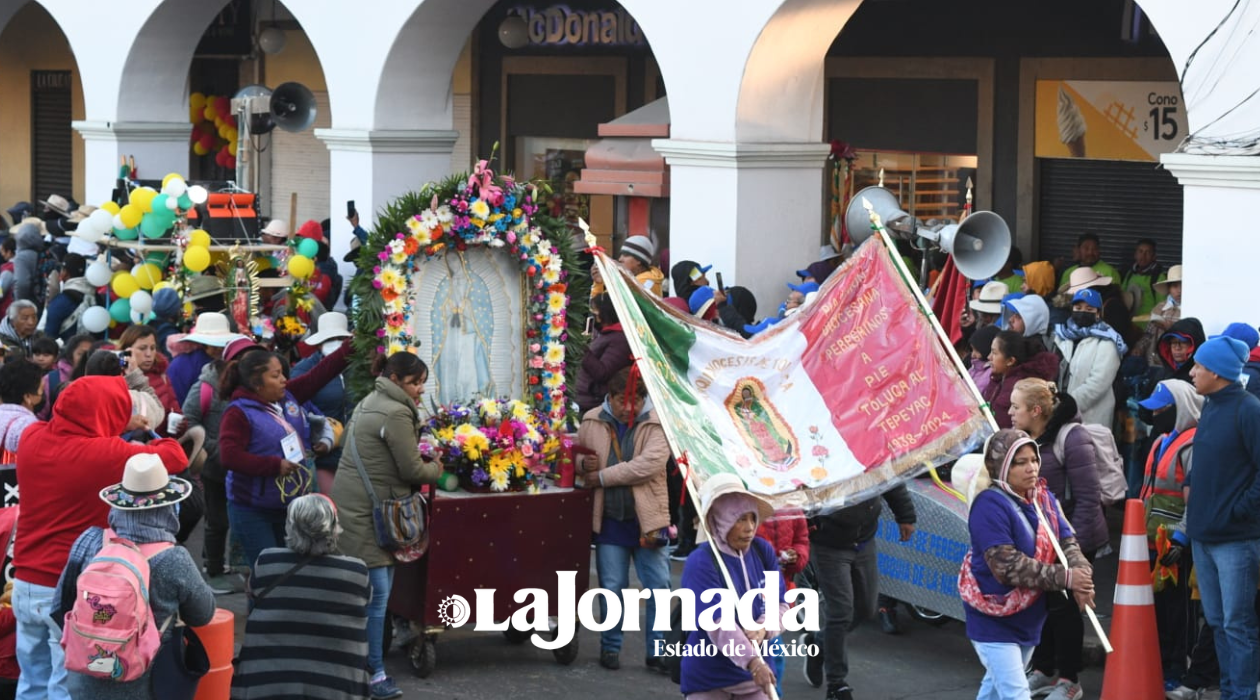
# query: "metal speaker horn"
883,202
980,244
293,107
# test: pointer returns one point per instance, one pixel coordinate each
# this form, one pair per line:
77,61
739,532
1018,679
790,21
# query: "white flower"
444,214
496,243
429,218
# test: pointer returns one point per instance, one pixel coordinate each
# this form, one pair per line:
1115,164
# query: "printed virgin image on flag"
835,404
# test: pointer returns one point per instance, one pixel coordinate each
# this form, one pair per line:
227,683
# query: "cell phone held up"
721,287
350,208
124,358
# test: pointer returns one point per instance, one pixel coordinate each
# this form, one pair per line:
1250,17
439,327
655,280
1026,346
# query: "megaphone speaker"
980,245
293,107
858,220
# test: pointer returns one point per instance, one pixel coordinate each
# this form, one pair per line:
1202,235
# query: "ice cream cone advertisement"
1108,120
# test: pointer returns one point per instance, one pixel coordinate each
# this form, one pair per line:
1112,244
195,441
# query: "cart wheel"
515,636
567,654
928,615
423,656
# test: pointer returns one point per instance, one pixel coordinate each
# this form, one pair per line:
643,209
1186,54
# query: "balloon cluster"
214,128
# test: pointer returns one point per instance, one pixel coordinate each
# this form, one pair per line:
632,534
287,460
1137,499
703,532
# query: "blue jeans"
257,529
381,579
1004,664
1228,573
612,563
39,652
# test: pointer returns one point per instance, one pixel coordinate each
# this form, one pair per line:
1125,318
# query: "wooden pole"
292,213
1089,612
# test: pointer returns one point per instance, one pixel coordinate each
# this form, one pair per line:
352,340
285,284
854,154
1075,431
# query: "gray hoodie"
1036,315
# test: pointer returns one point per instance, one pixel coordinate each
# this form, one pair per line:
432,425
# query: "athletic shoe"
655,664
1066,690
842,692
888,621
1184,693
1039,684
610,660
813,664
385,689
221,584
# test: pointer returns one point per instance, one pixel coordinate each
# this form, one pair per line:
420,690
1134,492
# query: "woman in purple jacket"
608,354
1038,409
731,516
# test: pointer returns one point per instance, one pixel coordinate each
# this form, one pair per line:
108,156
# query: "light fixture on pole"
272,40
514,32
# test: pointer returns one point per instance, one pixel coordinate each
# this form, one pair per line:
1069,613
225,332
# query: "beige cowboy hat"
145,485
34,220
57,203
1084,278
203,286
721,484
990,301
331,325
1174,275
276,227
81,214
194,443
211,329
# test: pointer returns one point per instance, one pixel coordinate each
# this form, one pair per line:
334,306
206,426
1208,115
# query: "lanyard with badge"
297,483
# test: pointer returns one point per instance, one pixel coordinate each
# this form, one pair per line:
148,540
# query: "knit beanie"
1241,331
1223,356
640,248
166,303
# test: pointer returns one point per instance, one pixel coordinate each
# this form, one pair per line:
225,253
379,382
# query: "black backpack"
678,636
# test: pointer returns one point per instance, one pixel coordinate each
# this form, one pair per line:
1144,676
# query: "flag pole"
879,229
638,350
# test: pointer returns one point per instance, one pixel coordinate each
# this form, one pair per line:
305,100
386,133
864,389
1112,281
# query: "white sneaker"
1066,690
1039,684
1184,693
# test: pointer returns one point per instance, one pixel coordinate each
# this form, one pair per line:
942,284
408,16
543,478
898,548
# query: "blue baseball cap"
1089,296
804,288
698,271
980,283
1160,398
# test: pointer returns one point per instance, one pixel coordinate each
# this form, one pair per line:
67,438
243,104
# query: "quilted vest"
266,431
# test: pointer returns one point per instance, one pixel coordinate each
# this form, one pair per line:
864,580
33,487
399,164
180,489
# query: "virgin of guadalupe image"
462,319
761,426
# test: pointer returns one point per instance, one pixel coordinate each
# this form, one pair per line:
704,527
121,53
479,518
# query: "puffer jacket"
608,354
1084,510
1043,365
788,529
856,525
644,473
30,243
386,428
1092,366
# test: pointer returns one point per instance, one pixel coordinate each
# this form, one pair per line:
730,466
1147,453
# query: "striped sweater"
308,637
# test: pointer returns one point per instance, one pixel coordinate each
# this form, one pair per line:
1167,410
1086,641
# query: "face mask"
330,346
1084,319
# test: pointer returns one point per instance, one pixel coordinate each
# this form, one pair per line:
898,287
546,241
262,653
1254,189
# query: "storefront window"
560,162
929,185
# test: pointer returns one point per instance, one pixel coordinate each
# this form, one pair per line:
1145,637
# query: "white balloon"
88,231
138,318
99,275
95,319
198,194
118,223
175,188
172,203
141,302
101,220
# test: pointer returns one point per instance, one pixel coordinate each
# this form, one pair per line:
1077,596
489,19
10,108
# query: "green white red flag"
835,404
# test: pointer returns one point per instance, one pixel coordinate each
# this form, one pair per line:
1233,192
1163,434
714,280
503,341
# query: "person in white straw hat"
142,514
730,515
988,306
211,333
276,232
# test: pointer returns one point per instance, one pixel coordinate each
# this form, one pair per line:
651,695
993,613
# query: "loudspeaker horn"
980,244
883,202
292,107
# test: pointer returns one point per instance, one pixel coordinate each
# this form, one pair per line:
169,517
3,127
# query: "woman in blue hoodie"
731,516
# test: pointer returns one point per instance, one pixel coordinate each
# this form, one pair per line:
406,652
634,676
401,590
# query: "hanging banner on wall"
1108,120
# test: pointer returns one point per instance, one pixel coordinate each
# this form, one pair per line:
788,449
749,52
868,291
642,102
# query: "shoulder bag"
399,523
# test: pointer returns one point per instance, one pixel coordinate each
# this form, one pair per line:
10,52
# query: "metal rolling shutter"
1118,200
52,159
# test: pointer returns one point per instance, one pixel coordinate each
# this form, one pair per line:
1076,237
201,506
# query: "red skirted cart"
504,541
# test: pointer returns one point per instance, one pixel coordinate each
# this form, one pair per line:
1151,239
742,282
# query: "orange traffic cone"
1133,669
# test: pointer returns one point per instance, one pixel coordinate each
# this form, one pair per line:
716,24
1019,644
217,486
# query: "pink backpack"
109,633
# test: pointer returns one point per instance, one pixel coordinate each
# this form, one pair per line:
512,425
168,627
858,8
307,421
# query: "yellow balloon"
111,207
130,215
148,275
301,267
199,238
200,149
142,197
170,176
196,258
124,285
208,113
162,285
197,100
188,309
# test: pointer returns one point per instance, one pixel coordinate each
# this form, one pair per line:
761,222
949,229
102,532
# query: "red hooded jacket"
63,464
788,529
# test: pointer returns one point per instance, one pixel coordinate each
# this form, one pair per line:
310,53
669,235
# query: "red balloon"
206,141
230,120
223,106
218,158
230,162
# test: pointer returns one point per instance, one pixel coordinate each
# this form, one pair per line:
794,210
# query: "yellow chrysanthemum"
479,209
488,408
551,445
555,354
555,302
551,276
554,381
499,482
414,225
520,411
446,434
389,277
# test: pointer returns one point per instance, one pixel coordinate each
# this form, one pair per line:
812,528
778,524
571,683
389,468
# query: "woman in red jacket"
141,342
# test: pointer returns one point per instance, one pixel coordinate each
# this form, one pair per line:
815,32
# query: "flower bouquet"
494,445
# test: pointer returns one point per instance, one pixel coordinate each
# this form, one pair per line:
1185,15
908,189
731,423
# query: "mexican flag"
835,404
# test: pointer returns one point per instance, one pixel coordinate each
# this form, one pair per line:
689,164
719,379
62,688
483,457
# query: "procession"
496,348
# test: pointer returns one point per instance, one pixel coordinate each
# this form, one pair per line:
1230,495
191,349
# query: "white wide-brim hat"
276,227
332,325
1084,278
146,485
1174,275
211,329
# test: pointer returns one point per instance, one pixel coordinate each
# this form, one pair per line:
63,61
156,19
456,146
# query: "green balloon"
185,202
120,311
308,247
159,204
153,226
157,258
126,234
